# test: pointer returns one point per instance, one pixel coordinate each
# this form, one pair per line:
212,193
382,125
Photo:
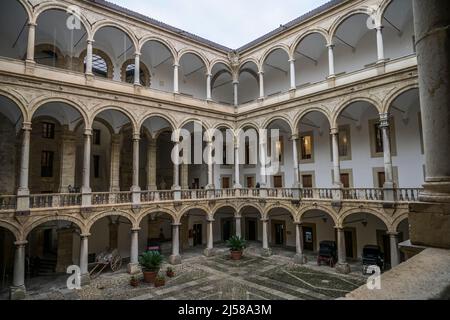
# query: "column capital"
176,224
384,120
210,220
208,74
261,72
135,230
393,234
334,131
379,28
339,228
26,126
88,132
137,54
136,136
238,217
32,24
295,137
291,60
176,65
85,235
330,45
235,82
264,220
21,243
90,41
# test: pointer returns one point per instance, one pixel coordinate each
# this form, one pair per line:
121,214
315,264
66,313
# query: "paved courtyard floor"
214,278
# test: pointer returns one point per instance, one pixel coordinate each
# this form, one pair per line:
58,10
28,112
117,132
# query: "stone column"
336,163
208,87
137,69
235,93
175,78
135,188
67,167
86,188
297,182
395,254
23,193
114,176
184,176
238,220
176,168
292,73
331,60
299,258
17,290
84,251
175,258
237,174
89,57
209,251
261,85
263,157
380,46
133,266
31,42
209,146
151,164
265,233
342,265
384,126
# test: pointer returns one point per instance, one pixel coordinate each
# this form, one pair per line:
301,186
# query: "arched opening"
360,137
192,80
57,45
11,120
159,60
398,32
279,150
222,84
313,149
129,69
197,176
224,158
56,126
157,158
225,224
251,226
407,129
248,83
111,152
276,72
281,230
403,235
355,44
193,231
7,253
317,226
14,29
102,66
115,43
250,173
311,60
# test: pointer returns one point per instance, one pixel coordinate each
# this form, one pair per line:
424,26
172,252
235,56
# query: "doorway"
250,182
308,238
350,243
251,229
227,228
278,233
225,182
197,234
278,182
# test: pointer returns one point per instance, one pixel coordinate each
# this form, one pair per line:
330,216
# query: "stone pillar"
235,92
209,146
265,233
263,158
137,69
208,87
388,170
175,258
133,266
184,176
89,57
342,265
176,168
86,187
292,73
261,85
135,187
67,167
237,174
209,251
432,28
175,78
238,220
395,254
299,258
17,290
23,193
31,42
380,46
114,176
331,60
151,164
65,250
336,163
84,252
297,182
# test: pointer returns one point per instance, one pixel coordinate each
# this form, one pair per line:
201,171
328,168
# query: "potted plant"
170,273
237,246
151,264
134,282
160,281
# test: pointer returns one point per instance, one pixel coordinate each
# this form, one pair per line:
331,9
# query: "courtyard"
214,278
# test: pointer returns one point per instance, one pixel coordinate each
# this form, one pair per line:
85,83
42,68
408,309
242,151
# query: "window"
277,181
345,180
306,147
129,74
48,130
99,66
47,164
247,152
225,182
96,137
344,142
96,166
307,181
381,179
378,138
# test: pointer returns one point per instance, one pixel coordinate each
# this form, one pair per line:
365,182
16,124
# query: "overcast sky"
232,23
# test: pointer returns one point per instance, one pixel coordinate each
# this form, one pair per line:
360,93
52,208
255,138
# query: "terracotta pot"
134,283
170,274
160,283
150,276
236,255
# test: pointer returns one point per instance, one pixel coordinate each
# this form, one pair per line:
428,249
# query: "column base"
209,252
17,293
133,268
343,268
85,279
266,252
175,259
300,259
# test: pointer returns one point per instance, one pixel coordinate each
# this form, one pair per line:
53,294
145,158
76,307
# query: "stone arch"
146,213
106,23
249,124
151,115
252,205
110,213
271,119
298,118
220,61
382,10
205,209
220,125
215,210
104,56
304,35
204,123
60,61
251,60
123,110
337,23
69,218
328,211
289,209
195,53
269,51
11,227
165,43
19,101
142,67
387,103
398,220
28,10
370,211
336,113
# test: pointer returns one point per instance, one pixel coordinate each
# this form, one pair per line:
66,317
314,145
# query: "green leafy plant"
160,277
151,261
236,243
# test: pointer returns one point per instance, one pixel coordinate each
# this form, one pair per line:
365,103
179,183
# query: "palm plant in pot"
237,246
151,264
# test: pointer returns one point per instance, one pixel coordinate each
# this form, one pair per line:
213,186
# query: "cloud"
232,23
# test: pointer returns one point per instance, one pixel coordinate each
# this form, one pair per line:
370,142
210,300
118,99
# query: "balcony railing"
42,201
